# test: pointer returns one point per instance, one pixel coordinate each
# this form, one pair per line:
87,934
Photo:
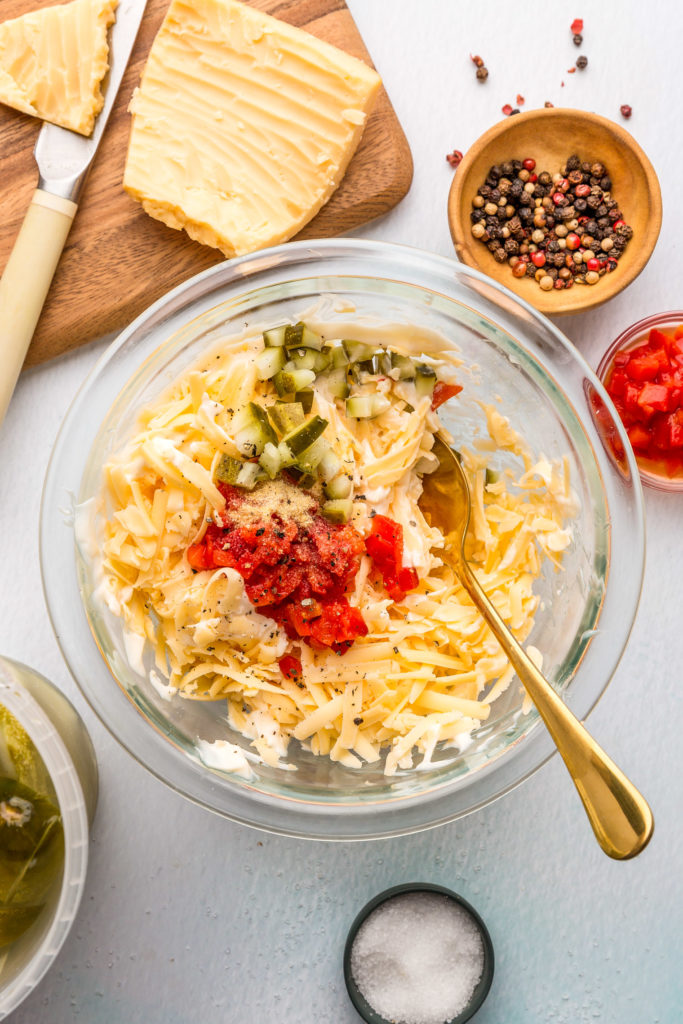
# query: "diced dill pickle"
302,359
339,356
303,436
287,456
404,365
305,397
257,432
340,487
366,407
330,466
492,476
287,382
337,382
269,362
309,461
357,351
228,469
338,510
249,475
425,379
301,336
270,460
285,416
275,337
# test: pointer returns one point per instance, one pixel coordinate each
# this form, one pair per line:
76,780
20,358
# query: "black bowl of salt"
418,954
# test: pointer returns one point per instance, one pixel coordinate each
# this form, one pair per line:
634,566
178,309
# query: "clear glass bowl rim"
293,817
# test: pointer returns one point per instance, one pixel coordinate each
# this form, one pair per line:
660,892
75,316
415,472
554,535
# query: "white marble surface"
187,917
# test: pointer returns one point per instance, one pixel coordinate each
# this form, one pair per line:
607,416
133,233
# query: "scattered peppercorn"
482,70
454,158
626,111
577,39
507,109
581,63
571,71
548,104
576,26
520,100
560,229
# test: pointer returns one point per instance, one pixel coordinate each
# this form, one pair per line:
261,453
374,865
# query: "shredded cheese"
429,668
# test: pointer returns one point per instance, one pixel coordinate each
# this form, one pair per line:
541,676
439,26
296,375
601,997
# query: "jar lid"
481,987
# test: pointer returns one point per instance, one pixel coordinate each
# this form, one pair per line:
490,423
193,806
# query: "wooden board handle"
26,281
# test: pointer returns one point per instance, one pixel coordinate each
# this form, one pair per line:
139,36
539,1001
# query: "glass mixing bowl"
550,396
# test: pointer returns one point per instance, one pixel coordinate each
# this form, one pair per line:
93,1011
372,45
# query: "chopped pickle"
31,832
275,337
303,436
285,416
306,398
425,379
357,351
228,470
338,510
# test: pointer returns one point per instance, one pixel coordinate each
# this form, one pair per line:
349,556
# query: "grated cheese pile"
429,669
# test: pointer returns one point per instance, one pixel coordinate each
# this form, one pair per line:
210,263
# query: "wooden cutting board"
117,259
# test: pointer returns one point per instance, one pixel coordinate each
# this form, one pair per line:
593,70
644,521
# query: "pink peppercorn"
538,259
573,240
528,164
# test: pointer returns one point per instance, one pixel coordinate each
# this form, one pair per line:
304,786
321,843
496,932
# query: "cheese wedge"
243,126
52,62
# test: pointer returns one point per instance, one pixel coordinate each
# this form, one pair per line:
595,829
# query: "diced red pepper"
290,667
443,391
646,366
385,547
654,396
658,339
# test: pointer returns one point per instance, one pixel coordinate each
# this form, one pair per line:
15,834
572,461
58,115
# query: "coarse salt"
417,958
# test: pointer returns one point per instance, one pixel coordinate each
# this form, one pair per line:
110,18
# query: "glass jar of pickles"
48,793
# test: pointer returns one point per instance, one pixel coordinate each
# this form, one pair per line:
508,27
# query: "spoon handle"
619,815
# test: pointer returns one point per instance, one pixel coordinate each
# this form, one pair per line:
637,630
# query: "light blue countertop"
187,917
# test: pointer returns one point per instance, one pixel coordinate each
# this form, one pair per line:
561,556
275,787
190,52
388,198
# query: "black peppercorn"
582,62
514,224
495,172
591,227
575,177
476,216
601,210
597,170
492,246
603,222
605,184
511,247
500,256
485,191
553,246
482,73
593,202
495,195
573,163
577,39
580,205
525,212
508,169
625,232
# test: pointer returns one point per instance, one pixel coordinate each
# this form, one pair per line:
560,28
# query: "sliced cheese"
52,62
243,126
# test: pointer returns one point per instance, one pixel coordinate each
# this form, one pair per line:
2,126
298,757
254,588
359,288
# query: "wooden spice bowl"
550,137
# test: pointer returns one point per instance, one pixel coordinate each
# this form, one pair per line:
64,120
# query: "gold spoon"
618,813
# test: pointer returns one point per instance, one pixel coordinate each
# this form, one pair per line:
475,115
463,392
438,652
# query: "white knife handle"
26,281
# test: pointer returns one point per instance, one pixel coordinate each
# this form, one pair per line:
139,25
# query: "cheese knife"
64,159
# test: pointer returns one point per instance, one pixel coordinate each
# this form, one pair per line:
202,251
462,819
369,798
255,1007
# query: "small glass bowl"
651,473
481,989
